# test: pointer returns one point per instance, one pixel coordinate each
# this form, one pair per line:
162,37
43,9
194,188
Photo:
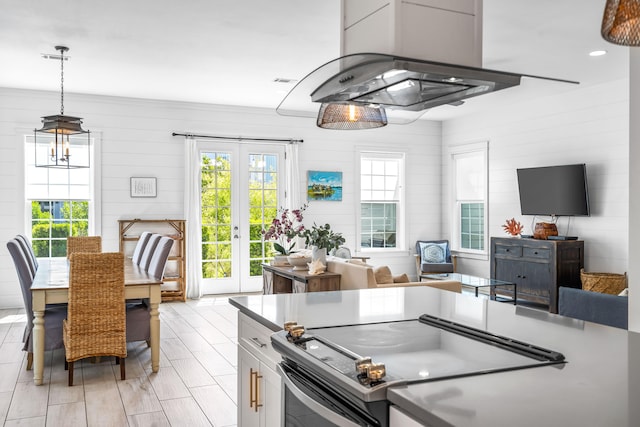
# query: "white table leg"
38,303
155,328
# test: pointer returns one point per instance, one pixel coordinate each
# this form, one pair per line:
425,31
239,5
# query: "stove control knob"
296,331
362,365
289,325
376,371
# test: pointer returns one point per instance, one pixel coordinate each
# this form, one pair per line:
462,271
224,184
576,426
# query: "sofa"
606,309
355,274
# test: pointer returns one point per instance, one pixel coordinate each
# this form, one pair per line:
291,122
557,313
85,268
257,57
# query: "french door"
242,186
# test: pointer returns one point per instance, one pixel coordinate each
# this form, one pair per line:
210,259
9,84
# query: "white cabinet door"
247,414
258,387
272,396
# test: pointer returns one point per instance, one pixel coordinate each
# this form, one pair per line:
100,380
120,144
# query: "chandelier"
54,145
621,22
351,116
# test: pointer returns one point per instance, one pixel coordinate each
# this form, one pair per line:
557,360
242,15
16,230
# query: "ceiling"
230,52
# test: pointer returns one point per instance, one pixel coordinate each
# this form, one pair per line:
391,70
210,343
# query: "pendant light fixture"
621,22
54,147
346,116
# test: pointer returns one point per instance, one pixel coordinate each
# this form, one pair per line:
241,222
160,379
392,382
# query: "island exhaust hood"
408,71
405,87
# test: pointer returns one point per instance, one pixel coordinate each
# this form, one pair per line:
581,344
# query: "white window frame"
401,207
95,190
456,152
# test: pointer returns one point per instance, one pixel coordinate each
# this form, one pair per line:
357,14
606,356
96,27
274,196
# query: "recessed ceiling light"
284,80
597,53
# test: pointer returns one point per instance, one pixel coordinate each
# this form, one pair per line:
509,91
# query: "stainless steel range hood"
405,87
408,84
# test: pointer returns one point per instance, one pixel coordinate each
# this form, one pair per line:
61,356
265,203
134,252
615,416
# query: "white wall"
587,125
136,141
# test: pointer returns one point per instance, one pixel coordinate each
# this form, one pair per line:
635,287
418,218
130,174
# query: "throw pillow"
434,253
383,275
356,262
403,278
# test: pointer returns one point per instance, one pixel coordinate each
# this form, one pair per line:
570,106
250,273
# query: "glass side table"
474,282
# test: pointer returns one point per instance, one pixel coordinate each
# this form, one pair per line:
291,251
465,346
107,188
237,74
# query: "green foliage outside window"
216,210
52,221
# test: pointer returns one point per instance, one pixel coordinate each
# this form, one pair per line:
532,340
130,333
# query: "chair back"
22,239
24,275
147,254
142,243
91,244
434,256
96,319
160,257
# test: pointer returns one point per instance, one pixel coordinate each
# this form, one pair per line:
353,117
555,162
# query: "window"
469,163
381,204
60,203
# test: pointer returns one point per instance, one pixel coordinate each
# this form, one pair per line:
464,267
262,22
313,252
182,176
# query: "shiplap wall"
135,138
587,125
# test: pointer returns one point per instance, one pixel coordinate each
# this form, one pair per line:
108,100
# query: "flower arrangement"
322,236
513,227
284,229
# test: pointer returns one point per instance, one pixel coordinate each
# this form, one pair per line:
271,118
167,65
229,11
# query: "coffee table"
475,282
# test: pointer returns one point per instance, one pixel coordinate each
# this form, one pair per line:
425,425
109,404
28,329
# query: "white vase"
280,260
319,254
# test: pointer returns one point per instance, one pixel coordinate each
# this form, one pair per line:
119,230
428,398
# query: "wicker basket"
606,283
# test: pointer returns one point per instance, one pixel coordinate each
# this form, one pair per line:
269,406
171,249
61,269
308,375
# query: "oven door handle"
316,407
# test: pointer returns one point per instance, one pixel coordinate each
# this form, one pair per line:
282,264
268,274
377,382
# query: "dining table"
51,286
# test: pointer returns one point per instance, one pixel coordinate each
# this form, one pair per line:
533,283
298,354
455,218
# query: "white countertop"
599,386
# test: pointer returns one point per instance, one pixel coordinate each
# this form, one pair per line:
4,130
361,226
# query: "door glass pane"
215,200
263,206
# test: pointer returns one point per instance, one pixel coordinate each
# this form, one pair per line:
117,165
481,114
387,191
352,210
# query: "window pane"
472,226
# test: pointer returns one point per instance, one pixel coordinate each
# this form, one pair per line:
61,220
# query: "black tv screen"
554,190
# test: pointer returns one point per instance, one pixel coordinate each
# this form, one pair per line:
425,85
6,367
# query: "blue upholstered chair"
54,314
28,250
149,249
606,309
140,246
433,257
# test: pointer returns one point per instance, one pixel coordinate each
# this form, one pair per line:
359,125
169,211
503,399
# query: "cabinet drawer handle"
257,342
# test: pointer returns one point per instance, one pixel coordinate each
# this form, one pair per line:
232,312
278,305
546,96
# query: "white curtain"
292,175
192,215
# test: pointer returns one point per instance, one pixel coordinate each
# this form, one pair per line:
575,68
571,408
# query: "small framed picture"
323,185
143,187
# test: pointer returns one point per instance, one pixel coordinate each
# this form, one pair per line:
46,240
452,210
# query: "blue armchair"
433,257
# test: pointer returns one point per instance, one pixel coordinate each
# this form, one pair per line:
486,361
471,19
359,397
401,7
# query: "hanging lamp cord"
62,82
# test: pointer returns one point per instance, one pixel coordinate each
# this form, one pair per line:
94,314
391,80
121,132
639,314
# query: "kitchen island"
598,386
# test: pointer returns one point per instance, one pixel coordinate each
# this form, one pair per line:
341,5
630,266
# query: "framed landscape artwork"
322,185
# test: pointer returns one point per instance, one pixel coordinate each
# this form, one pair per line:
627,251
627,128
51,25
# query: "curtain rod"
239,138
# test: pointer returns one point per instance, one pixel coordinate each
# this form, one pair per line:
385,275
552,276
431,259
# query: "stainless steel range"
338,376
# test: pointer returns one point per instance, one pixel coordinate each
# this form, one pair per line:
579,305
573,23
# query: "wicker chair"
96,320
91,244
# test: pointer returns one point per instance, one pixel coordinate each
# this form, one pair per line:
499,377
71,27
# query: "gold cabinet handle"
254,389
252,400
257,387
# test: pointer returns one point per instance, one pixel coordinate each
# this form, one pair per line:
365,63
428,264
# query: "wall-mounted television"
554,190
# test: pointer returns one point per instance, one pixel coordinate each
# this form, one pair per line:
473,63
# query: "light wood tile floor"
196,384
